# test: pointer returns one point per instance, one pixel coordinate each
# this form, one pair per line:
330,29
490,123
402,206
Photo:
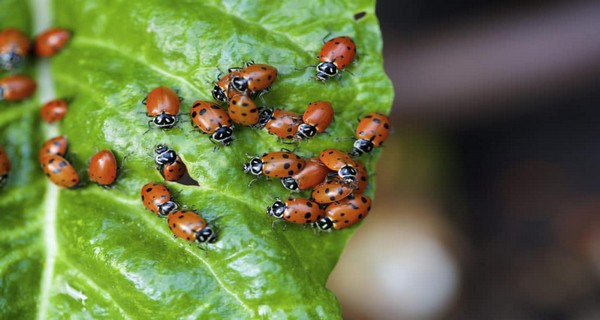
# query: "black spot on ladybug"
174,225
291,172
180,216
363,199
267,171
332,198
360,216
355,207
346,221
342,214
203,111
194,114
340,191
254,110
385,125
309,204
286,165
244,114
269,77
214,106
299,165
148,189
285,156
307,215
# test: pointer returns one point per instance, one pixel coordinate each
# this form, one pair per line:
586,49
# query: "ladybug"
51,41
345,213
162,103
221,90
173,171
254,78
314,173
164,155
4,165
213,120
335,55
242,110
157,198
103,168
17,87
372,131
331,191
60,171
296,210
315,119
57,145
190,226
283,124
54,110
277,164
14,46
362,177
341,162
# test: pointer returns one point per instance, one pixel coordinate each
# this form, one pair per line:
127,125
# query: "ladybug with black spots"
221,90
190,226
57,145
281,123
315,119
242,110
296,210
213,120
372,131
173,171
14,46
331,191
340,162
343,214
335,55
162,103
314,173
157,198
60,171
277,164
254,78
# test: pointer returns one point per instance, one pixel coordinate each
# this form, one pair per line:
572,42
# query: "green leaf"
97,253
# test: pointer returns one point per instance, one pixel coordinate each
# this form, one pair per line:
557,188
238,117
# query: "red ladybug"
162,103
335,55
157,198
277,164
372,131
283,124
341,162
54,110
331,191
242,110
4,165
14,46
213,120
296,210
315,119
254,78
190,226
103,168
345,213
51,41
17,87
57,145
314,173
221,91
60,171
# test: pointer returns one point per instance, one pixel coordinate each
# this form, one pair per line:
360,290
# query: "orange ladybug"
315,119
51,41
284,124
242,110
341,162
57,145
254,78
103,168
54,110
190,226
331,191
213,120
60,171
372,131
296,210
335,55
14,46
157,198
17,87
162,103
4,165
314,173
277,164
173,171
221,91
345,213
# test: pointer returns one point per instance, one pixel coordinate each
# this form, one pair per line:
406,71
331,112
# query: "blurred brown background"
488,199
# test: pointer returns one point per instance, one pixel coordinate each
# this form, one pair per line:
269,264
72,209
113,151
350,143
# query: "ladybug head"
254,166
165,121
165,155
348,174
219,94
166,208
263,117
326,70
224,135
290,183
240,84
306,131
9,60
361,146
277,209
206,235
324,224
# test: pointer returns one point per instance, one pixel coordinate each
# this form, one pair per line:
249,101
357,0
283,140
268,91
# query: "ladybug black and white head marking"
361,146
240,84
166,208
165,155
348,174
290,183
219,94
254,166
224,135
326,70
165,121
206,235
324,224
306,131
277,209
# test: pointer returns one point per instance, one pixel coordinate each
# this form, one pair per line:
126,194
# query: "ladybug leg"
251,182
149,127
326,36
145,99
